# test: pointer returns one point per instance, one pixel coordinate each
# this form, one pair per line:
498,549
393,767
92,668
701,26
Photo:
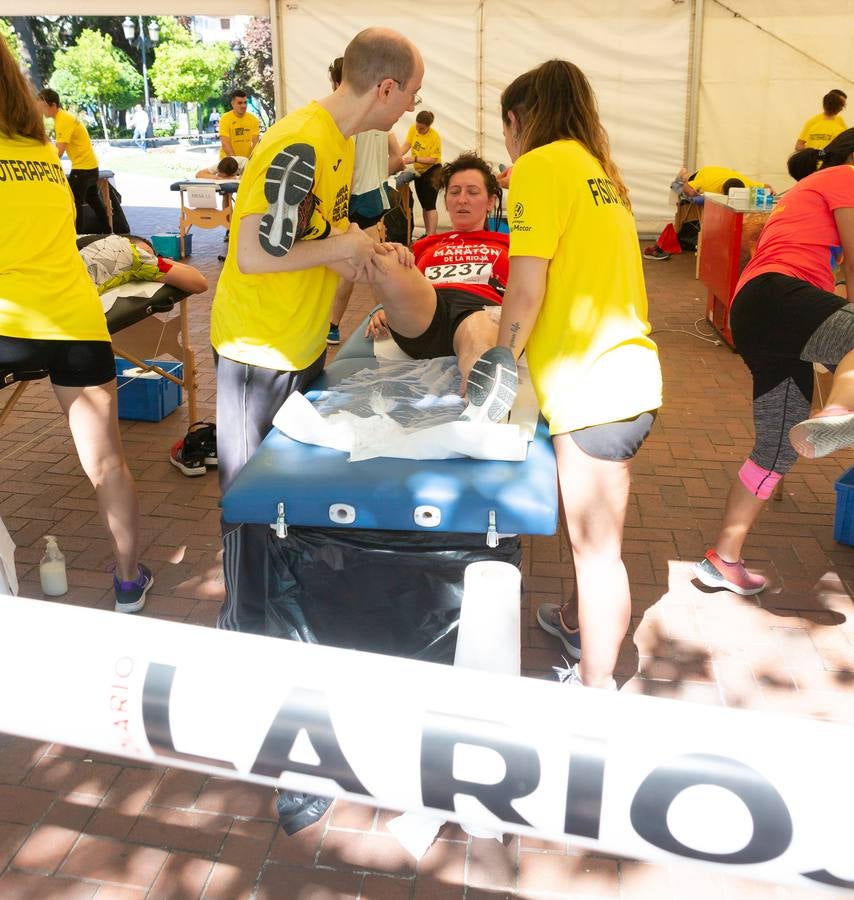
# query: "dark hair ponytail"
836,153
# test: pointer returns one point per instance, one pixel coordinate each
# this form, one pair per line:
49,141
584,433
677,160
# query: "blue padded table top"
385,493
222,187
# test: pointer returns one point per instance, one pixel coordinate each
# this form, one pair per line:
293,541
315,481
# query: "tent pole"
694,86
481,116
278,61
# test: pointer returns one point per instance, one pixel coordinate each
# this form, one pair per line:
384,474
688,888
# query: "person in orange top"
785,316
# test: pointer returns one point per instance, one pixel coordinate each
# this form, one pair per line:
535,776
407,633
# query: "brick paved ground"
76,825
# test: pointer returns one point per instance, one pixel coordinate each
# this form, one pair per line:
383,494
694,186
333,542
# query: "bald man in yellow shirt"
73,139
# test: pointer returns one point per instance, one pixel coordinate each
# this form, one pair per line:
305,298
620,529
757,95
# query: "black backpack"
394,220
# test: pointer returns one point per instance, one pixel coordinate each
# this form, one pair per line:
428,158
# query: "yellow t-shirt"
429,144
589,354
72,132
279,320
711,179
45,292
239,131
819,131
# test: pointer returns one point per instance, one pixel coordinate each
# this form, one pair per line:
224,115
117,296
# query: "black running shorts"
69,363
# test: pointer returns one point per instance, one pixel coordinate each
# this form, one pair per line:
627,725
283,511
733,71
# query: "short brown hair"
19,114
227,165
467,162
50,97
375,54
425,117
336,69
834,102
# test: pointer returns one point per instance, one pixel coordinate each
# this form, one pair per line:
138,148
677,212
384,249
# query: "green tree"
8,34
93,74
190,72
176,30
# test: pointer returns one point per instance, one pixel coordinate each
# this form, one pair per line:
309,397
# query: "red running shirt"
472,261
800,238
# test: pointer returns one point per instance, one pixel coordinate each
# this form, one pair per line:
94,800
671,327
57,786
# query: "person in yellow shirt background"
820,130
73,139
423,150
718,180
239,130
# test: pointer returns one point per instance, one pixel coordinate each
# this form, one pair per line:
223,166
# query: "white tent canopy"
706,82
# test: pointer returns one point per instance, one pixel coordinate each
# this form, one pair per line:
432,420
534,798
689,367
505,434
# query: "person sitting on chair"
437,308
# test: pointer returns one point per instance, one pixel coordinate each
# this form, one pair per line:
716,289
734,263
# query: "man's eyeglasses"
416,100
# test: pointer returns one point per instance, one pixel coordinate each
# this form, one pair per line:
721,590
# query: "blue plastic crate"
148,399
843,522
169,245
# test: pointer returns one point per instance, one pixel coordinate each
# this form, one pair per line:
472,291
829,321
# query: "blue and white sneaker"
289,181
548,618
491,387
130,595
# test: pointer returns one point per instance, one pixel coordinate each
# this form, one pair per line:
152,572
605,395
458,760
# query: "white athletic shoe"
289,181
491,387
570,676
822,435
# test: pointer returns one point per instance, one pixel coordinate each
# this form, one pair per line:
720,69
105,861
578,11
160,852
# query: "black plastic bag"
688,235
392,592
395,219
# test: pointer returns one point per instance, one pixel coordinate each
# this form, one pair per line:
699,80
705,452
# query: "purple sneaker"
130,595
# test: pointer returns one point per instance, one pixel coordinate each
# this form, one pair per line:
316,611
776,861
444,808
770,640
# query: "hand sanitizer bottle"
52,569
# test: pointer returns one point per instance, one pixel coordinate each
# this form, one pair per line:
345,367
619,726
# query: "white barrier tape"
766,796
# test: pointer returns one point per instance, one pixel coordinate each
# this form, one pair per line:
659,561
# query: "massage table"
199,206
145,333
371,554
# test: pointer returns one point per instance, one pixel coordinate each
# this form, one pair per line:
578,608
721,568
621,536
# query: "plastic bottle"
52,569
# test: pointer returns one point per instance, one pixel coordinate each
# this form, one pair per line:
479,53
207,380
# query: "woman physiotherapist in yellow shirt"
51,318
576,303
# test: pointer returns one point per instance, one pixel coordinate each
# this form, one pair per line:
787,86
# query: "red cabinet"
727,242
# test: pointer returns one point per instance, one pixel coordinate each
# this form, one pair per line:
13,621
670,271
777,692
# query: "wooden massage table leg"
20,387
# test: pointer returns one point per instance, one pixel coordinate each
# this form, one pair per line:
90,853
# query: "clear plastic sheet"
415,394
408,409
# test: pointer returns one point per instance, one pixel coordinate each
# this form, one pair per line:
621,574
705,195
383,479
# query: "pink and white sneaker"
821,435
715,572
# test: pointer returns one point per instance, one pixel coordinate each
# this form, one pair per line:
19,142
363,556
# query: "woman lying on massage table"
437,308
114,259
